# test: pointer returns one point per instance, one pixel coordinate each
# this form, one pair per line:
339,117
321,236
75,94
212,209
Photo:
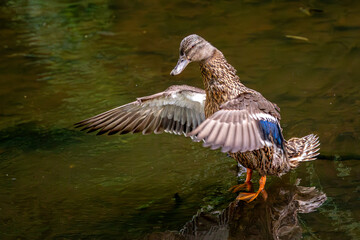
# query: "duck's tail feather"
302,149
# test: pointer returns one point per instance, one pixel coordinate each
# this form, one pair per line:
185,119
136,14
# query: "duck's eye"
192,46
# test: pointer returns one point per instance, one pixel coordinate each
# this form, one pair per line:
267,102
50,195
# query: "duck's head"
193,48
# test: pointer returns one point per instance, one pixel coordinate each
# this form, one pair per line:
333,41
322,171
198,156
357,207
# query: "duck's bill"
180,66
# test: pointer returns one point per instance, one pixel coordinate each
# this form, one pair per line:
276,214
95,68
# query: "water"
63,61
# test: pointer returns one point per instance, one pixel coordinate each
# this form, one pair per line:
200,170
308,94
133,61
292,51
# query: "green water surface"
62,61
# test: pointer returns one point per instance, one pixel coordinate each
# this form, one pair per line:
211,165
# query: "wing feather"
213,135
236,127
178,110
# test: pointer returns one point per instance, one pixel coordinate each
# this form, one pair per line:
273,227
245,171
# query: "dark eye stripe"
191,50
194,45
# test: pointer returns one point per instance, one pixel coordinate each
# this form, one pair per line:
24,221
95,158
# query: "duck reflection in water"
275,218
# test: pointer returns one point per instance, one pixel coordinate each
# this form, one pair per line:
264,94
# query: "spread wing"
178,110
246,123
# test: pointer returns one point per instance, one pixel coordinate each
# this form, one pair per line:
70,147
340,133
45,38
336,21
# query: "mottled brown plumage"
227,115
226,95
240,119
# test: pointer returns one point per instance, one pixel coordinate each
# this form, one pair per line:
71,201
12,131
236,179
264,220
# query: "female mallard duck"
227,115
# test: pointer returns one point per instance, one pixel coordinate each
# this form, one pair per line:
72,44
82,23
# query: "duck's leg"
248,197
246,185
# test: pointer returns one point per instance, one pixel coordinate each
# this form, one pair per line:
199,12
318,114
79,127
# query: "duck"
224,115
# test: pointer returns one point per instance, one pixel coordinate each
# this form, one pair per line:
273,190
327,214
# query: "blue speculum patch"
272,132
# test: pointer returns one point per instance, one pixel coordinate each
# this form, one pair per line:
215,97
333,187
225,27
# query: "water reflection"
273,218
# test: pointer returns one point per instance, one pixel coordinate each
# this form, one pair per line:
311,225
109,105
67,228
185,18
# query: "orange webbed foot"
248,197
244,186
247,185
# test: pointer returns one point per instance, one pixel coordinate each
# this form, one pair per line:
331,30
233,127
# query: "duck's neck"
220,81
